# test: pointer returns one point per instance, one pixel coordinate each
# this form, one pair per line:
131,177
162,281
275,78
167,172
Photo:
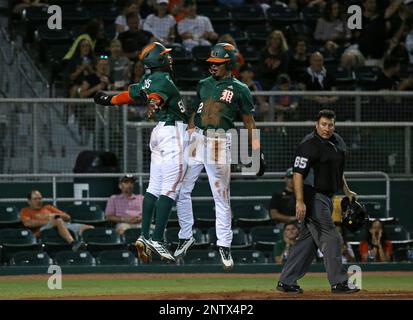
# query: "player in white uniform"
220,98
167,143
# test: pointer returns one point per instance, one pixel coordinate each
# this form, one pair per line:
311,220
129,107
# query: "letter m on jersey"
226,96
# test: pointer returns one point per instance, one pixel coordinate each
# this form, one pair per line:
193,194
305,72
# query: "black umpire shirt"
321,162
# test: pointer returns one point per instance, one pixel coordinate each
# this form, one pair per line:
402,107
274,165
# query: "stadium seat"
248,215
9,216
202,257
99,239
82,258
248,256
88,214
240,239
239,36
117,257
200,239
217,14
188,75
181,55
204,214
171,236
53,242
173,221
374,209
250,54
248,14
107,13
280,15
396,232
51,36
30,258
211,236
13,240
264,238
258,34
131,235
75,15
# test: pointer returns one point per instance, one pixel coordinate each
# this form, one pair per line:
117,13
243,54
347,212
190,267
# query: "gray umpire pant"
317,230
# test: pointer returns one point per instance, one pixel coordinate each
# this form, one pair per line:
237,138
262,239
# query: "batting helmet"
223,52
155,55
354,214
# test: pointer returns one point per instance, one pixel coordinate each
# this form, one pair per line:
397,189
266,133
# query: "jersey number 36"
300,162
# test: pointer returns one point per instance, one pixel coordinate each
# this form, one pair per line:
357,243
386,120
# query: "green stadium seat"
9,216
171,236
173,218
211,236
80,258
248,256
31,258
396,232
240,239
204,214
247,215
100,239
14,240
53,242
375,209
200,239
202,257
117,257
131,235
88,214
264,238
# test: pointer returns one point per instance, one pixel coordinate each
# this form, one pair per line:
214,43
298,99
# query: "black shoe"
78,246
343,288
287,288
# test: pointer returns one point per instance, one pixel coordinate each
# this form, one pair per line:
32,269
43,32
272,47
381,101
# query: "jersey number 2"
300,162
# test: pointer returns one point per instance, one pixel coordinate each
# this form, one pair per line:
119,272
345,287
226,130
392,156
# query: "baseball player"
220,98
167,144
318,174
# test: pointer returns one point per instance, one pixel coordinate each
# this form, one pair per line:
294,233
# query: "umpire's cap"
354,214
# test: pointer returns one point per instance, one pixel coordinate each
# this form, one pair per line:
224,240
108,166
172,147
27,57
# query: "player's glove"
261,170
103,99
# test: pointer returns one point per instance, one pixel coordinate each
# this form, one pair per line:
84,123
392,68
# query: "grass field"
182,286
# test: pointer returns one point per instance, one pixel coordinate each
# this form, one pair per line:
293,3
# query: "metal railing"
144,177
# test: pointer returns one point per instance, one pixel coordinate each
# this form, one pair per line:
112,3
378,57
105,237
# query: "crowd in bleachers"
284,44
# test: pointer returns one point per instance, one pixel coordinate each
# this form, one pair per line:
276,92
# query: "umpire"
318,175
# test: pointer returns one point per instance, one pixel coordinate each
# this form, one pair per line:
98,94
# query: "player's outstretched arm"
111,100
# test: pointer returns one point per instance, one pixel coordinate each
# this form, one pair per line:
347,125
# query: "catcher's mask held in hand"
354,214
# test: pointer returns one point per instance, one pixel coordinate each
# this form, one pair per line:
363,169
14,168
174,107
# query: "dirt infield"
257,295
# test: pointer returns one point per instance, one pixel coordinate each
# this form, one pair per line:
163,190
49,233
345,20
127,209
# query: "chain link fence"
47,135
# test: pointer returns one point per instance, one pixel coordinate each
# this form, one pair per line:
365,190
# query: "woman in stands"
376,248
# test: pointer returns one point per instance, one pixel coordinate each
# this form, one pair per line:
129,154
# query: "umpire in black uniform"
318,175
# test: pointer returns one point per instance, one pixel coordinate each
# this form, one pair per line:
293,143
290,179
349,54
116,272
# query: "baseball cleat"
160,249
144,252
288,288
226,258
183,246
343,288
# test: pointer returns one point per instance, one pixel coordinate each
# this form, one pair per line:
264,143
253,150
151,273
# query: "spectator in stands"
299,59
376,248
132,6
232,2
79,66
284,106
316,78
39,217
351,59
301,4
409,39
282,247
371,39
125,209
195,30
226,37
389,77
161,24
260,102
177,9
331,26
273,59
136,111
99,80
135,38
119,65
136,73
282,205
18,8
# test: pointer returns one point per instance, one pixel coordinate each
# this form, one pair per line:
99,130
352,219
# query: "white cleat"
183,246
160,249
226,258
